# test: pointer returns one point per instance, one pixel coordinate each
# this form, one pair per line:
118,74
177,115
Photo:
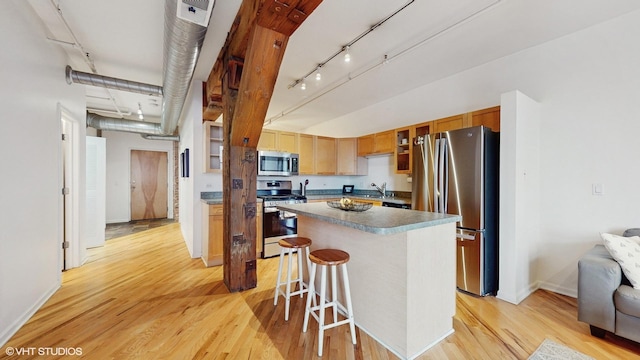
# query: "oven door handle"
271,209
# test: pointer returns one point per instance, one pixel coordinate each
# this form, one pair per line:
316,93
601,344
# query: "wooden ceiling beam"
265,13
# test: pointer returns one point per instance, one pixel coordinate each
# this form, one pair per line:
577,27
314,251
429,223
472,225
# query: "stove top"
275,200
274,192
282,197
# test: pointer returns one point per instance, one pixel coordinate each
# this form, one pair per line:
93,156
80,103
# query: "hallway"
117,230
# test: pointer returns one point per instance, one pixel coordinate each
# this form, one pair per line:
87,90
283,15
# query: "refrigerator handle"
442,146
425,166
462,236
445,176
436,177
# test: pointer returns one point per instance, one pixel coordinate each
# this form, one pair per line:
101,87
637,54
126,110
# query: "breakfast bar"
402,269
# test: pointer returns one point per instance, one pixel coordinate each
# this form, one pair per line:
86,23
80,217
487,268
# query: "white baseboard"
520,295
563,290
117,221
21,320
395,352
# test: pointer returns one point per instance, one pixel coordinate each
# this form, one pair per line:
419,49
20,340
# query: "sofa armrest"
598,278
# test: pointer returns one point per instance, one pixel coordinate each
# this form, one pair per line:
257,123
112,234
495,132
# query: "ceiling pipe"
114,124
182,43
149,131
161,137
84,78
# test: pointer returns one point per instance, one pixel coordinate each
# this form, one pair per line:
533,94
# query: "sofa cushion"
627,300
631,232
626,251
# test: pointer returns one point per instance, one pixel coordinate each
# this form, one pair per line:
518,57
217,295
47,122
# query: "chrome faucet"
382,190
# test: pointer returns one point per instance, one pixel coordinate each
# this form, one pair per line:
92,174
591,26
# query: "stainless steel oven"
277,224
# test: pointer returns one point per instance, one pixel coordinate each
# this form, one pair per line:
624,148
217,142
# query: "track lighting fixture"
140,116
345,49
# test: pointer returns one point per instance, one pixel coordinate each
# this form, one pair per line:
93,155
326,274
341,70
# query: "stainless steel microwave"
277,163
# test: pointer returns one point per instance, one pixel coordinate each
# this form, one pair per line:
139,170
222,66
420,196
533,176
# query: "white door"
96,191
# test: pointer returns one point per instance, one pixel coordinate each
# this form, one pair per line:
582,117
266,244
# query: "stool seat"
295,242
329,257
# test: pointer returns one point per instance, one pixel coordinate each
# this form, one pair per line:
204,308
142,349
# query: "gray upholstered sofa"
606,300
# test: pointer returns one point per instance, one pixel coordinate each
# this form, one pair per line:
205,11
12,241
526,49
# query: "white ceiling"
427,41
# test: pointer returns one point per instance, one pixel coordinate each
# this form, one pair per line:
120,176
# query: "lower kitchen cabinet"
212,233
212,221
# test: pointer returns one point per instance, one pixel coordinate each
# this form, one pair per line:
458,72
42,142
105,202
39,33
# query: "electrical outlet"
597,189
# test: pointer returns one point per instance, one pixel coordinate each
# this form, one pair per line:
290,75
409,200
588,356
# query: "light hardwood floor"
142,297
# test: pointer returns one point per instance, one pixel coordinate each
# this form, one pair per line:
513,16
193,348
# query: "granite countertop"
218,201
377,220
393,199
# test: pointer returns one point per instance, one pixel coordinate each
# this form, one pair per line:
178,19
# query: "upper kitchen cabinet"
288,142
423,129
325,155
384,142
403,147
377,144
274,140
365,145
489,117
451,123
348,161
307,157
268,140
212,146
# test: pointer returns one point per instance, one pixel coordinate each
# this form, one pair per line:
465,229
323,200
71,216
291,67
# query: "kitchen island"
402,270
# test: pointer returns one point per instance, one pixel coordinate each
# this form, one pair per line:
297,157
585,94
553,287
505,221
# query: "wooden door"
148,185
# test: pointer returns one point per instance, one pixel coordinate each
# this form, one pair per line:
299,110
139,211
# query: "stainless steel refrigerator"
456,172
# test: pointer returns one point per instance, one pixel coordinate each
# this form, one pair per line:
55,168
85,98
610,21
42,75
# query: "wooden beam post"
248,73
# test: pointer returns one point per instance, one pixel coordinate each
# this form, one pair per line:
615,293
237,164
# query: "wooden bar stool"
332,258
290,246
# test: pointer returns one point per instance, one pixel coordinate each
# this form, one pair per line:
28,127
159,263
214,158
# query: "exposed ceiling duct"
80,77
182,43
149,131
161,137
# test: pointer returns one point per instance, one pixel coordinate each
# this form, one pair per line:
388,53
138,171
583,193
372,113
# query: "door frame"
170,177
69,218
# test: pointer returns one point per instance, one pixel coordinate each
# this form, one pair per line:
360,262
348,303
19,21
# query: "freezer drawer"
476,263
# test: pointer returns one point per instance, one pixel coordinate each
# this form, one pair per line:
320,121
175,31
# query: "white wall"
587,86
32,86
119,146
191,137
519,204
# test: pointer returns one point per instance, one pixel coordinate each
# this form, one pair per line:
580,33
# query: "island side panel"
431,297
377,275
